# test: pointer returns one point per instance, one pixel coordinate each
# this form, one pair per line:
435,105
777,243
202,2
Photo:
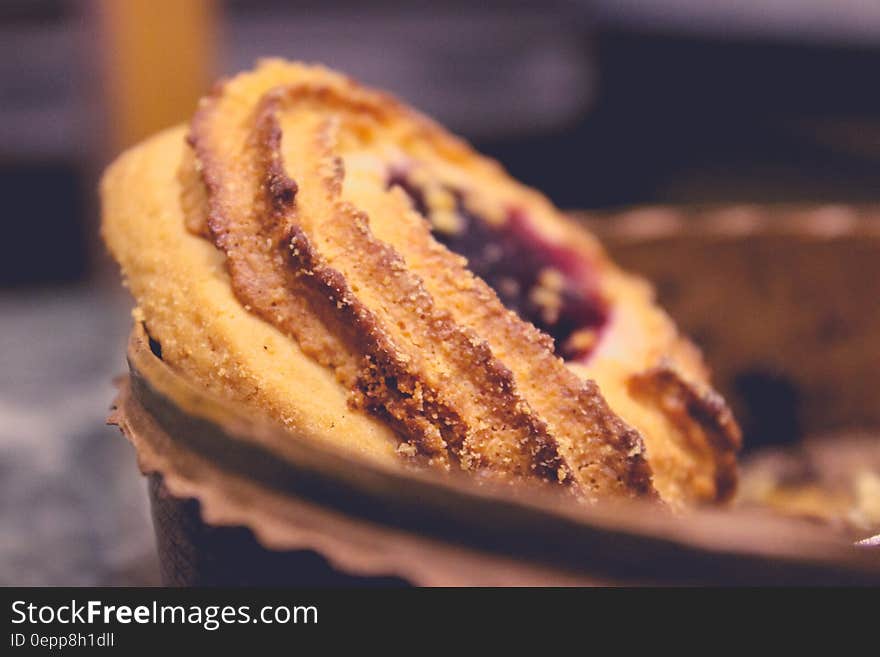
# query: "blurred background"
600,103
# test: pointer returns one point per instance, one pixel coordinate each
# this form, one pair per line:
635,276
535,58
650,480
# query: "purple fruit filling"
547,284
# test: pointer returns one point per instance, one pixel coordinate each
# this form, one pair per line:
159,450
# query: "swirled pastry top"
333,259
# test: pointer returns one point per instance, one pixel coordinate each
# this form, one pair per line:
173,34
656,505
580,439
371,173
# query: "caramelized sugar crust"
344,217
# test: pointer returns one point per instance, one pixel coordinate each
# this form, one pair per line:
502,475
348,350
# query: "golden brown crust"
454,400
701,415
591,437
390,374
291,178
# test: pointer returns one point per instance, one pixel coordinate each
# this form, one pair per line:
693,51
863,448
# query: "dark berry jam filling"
549,285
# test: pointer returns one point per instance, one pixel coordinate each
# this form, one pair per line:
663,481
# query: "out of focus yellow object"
158,59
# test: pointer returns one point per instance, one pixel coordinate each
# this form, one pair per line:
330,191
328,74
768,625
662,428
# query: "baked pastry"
326,256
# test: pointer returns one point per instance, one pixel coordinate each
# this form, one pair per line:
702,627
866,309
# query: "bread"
332,259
